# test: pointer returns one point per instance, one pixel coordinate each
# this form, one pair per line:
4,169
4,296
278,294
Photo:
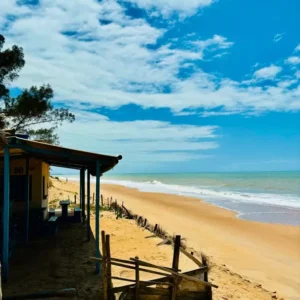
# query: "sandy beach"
253,260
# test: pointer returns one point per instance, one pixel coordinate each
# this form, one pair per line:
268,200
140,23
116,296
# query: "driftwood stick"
123,279
131,267
149,265
115,260
142,283
193,258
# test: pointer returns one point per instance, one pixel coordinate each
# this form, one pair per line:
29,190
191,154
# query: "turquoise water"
272,197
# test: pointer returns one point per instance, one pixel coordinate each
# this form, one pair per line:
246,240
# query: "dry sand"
260,258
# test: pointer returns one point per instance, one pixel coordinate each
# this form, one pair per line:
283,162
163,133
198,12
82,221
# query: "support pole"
6,204
88,227
83,193
97,221
27,182
80,189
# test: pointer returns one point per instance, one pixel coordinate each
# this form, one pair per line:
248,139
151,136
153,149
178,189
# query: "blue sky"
173,86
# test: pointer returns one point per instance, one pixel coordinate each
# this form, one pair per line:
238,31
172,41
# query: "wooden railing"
169,276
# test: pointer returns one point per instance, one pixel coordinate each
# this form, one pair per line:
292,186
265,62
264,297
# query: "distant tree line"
30,112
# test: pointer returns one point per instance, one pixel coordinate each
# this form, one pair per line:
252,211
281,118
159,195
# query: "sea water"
272,197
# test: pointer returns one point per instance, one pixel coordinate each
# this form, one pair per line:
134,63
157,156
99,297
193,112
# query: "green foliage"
33,107
11,61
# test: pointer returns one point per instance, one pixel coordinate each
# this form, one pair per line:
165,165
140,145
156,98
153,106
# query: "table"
64,208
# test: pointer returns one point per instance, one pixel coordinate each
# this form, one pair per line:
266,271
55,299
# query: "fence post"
108,256
74,199
104,265
137,279
175,264
101,200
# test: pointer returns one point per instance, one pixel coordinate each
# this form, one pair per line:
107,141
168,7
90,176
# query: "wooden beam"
88,225
108,259
27,203
104,265
137,279
144,263
97,221
193,258
83,195
5,218
175,264
130,267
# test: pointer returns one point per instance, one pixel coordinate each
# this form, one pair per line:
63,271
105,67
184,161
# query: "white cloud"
111,65
139,141
297,48
278,37
293,60
168,7
217,42
267,72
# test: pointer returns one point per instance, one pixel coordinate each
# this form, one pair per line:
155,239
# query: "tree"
2,141
30,110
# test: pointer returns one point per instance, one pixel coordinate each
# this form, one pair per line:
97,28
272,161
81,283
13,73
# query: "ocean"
271,197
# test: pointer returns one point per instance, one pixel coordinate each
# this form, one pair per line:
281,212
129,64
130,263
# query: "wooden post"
83,195
104,265
27,201
137,279
5,215
108,257
88,225
97,220
175,264
155,228
101,200
75,199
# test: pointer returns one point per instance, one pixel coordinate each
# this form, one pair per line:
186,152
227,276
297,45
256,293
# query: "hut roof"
61,156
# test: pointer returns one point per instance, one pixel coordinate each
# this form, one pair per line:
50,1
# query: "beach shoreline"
266,203
258,251
268,254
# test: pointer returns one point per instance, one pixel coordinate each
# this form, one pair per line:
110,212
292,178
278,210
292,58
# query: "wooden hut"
24,178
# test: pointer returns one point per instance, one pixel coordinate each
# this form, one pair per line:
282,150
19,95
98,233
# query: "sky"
173,86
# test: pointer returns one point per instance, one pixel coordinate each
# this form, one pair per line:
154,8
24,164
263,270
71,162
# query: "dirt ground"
58,262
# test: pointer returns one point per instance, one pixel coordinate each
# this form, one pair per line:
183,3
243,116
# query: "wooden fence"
172,284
